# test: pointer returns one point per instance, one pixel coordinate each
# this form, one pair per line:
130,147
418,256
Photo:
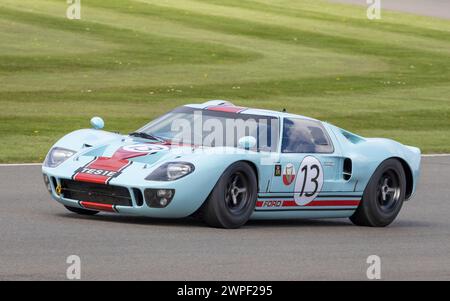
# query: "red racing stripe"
227,109
334,203
98,206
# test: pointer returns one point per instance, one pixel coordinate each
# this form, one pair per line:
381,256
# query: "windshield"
192,126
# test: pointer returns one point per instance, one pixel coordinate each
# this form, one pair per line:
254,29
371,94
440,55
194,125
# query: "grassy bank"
129,61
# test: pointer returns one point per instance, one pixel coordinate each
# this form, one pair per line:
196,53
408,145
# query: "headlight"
57,156
171,171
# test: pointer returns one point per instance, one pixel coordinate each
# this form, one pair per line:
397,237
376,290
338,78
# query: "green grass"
129,61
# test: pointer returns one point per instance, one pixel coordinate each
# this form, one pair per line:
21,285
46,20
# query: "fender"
79,139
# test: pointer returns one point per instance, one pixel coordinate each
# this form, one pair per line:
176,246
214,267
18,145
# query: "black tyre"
383,196
81,210
233,199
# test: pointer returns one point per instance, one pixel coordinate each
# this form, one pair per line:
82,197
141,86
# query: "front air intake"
97,193
138,197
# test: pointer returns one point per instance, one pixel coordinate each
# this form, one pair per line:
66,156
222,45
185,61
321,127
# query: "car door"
308,164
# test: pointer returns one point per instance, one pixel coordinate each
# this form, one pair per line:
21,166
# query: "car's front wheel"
233,199
81,210
383,196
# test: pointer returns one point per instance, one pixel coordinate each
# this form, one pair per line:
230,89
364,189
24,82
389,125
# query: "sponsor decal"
288,174
277,170
103,169
269,204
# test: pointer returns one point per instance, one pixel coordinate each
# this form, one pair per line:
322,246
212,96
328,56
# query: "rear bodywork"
109,170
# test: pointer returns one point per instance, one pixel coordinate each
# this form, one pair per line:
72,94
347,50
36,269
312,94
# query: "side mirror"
97,123
247,142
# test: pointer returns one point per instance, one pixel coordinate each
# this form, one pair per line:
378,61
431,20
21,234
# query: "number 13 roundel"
309,181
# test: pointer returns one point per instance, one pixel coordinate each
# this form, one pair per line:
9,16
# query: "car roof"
226,106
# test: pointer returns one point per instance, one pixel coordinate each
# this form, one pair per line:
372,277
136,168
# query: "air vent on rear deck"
347,170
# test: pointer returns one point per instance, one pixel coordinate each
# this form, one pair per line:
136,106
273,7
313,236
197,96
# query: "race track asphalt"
37,235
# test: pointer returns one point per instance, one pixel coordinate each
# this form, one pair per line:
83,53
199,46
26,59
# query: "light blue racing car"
227,164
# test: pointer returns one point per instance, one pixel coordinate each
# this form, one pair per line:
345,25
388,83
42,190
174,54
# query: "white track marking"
20,164
436,155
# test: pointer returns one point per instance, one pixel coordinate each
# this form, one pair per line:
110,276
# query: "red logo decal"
288,174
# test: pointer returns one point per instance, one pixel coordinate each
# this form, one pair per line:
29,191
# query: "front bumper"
188,194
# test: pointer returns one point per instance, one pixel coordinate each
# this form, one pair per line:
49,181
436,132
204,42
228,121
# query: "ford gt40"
227,164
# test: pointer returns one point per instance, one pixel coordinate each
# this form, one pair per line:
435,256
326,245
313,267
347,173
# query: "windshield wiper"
146,136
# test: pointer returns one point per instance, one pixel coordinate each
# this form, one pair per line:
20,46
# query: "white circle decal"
309,181
144,148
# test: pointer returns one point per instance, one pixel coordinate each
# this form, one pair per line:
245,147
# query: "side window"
305,136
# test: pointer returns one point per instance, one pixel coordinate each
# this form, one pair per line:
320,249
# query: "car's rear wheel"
233,199
383,196
81,210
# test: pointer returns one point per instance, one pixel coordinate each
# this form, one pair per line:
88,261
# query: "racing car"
227,164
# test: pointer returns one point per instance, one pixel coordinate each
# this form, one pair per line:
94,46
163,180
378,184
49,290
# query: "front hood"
108,161
133,149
